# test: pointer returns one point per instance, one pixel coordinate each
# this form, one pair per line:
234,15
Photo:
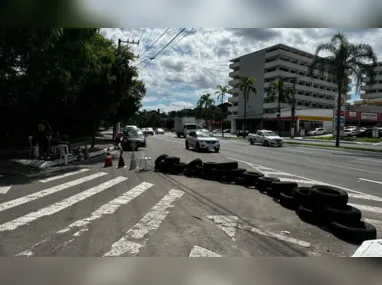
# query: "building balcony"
233,74
233,99
233,91
372,95
233,82
234,65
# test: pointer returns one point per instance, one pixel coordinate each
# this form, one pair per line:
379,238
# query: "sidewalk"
326,141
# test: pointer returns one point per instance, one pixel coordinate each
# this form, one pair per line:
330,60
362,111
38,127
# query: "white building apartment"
373,93
271,64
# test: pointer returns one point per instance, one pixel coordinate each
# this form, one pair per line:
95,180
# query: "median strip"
332,146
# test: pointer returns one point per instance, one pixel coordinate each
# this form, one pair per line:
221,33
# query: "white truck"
183,125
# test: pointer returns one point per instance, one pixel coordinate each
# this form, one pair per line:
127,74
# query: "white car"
202,141
266,138
317,132
149,131
159,131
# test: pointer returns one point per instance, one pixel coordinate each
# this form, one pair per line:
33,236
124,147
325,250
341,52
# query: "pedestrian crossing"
65,211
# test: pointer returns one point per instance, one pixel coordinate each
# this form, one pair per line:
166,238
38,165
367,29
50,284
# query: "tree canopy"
73,78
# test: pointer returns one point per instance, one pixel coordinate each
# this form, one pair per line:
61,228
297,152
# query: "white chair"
64,153
145,160
32,149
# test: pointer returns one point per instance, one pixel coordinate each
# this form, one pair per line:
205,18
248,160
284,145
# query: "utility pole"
293,107
128,42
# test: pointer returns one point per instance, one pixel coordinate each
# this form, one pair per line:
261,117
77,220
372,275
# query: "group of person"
45,138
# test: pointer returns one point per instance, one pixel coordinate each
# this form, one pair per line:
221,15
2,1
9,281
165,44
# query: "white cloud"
173,106
200,61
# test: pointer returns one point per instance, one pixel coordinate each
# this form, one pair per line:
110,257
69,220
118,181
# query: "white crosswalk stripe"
63,175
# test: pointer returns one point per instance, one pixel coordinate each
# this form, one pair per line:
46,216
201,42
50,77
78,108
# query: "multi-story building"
271,64
373,93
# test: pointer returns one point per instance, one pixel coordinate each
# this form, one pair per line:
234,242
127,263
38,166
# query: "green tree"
222,90
206,102
345,59
246,86
278,91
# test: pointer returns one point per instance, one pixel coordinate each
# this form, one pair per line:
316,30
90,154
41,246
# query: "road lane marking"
373,222
137,237
365,197
370,160
198,251
59,206
346,167
63,175
229,222
83,224
372,181
294,150
255,166
31,197
367,208
5,189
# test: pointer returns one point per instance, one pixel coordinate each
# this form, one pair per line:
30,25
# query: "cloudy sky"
199,61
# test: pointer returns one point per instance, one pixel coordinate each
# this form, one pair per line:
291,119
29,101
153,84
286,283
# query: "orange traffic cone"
108,160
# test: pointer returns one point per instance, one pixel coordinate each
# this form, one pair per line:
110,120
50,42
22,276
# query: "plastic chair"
32,149
64,153
145,160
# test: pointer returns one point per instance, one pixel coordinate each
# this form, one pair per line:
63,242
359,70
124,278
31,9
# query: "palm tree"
222,90
283,94
345,59
206,102
245,85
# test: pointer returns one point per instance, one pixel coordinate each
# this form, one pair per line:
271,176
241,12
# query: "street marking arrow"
4,189
229,224
198,251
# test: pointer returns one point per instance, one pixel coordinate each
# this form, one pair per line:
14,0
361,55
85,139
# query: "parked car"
149,131
202,141
133,139
159,131
226,131
317,132
266,138
242,134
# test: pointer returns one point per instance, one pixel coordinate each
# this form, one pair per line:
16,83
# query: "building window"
307,94
307,104
299,103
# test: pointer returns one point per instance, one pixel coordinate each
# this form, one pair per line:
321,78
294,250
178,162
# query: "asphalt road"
88,210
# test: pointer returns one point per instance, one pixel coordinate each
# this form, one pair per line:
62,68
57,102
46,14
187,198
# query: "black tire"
187,146
266,143
159,167
169,162
308,215
346,215
188,173
228,165
192,164
357,233
217,150
251,141
197,147
251,178
199,171
160,159
178,168
283,187
208,166
303,196
265,182
329,196
240,181
288,202
239,172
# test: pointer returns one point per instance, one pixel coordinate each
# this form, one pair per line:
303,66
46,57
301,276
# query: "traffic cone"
86,154
121,162
108,160
133,163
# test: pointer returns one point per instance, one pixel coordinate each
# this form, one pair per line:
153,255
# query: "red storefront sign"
367,116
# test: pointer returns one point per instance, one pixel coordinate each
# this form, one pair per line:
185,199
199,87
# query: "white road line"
19,201
346,167
367,208
373,222
372,181
299,181
198,251
137,237
107,209
370,160
255,166
294,150
5,189
365,197
63,175
59,206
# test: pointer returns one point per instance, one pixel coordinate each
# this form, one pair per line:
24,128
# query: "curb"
323,141
47,164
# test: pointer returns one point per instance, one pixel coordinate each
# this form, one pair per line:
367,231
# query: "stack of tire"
171,165
327,206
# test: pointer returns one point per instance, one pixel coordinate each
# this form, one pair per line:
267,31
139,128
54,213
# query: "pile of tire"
320,205
170,165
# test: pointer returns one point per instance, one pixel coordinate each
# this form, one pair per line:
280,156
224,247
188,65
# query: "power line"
143,30
185,35
165,47
162,43
155,42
